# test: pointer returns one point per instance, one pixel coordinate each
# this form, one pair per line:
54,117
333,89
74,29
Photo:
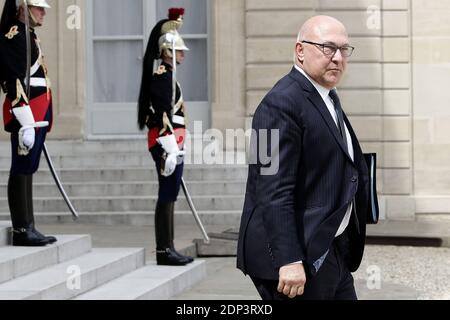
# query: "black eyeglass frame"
333,47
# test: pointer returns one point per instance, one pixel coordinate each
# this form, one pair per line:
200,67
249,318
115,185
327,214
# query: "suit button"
354,179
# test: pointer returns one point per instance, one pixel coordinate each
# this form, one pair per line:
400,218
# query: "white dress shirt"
324,93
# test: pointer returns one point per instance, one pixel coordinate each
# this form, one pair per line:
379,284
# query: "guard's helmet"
170,38
163,38
34,3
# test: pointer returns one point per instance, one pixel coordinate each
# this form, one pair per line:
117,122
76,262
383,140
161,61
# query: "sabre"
174,75
58,183
46,153
194,212
183,184
28,44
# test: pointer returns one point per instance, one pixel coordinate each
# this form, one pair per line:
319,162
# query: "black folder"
372,209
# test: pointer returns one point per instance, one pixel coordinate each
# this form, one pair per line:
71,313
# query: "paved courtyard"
405,272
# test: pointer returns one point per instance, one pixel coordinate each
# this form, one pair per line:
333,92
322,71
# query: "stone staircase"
109,183
115,182
72,269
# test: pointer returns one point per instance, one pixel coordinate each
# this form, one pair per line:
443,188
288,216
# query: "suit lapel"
357,152
317,101
319,104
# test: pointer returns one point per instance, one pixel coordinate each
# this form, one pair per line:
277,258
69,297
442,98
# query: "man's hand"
171,163
172,152
28,138
292,280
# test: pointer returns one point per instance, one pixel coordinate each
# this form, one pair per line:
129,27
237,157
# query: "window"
117,37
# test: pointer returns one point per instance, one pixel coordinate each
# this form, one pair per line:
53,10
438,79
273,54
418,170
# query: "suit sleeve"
14,65
162,104
276,186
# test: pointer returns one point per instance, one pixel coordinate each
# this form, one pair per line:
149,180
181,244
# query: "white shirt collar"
324,92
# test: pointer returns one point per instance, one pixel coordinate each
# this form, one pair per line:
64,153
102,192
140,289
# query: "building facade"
395,90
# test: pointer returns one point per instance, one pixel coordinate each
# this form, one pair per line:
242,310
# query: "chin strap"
28,43
174,76
33,18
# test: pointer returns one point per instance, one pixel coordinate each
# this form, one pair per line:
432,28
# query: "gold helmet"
34,3
170,38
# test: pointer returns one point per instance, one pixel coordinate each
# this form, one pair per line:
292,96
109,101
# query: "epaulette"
161,70
12,32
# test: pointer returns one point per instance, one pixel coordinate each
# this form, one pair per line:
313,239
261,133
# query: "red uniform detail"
39,106
153,134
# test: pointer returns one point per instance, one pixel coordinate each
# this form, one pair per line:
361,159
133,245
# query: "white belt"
178,120
37,64
35,67
38,82
178,105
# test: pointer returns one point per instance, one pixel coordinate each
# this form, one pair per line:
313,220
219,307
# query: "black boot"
27,238
165,255
172,234
23,234
30,211
168,257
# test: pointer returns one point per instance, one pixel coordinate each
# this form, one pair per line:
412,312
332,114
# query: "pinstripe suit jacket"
294,214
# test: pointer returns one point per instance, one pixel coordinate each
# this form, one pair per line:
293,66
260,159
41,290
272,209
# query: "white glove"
170,146
28,135
170,165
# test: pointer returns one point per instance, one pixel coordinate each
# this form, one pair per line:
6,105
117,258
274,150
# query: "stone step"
137,218
95,160
216,247
70,147
151,282
95,147
61,281
138,203
111,160
132,188
5,230
18,261
148,173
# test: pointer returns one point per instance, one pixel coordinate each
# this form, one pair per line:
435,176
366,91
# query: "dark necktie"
340,121
340,116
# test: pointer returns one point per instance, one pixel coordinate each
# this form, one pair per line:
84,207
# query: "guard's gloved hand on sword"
27,131
171,154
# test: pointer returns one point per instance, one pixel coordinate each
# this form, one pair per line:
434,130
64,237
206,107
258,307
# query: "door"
117,35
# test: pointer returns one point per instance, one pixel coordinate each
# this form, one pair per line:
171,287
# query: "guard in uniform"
163,114
27,115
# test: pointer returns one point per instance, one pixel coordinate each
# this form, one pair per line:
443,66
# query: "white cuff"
169,143
24,115
178,120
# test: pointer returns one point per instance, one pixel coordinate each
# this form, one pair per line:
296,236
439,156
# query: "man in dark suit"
303,227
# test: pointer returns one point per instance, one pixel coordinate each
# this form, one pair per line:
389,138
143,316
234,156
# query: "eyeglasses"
330,49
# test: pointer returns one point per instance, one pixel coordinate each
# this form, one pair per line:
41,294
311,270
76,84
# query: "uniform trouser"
169,187
333,281
20,184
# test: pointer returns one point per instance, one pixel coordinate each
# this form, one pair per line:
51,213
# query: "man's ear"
299,53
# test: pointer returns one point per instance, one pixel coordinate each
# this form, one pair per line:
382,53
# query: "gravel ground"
426,270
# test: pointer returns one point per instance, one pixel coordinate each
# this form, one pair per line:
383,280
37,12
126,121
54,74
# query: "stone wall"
431,96
64,50
395,90
376,91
